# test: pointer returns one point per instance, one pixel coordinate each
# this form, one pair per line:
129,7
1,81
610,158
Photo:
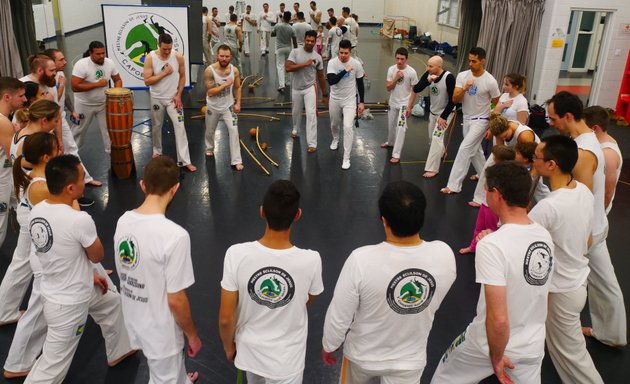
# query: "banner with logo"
131,33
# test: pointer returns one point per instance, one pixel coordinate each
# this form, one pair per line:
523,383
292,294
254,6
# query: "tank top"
166,88
15,145
614,147
520,129
204,26
230,36
438,95
224,99
5,162
588,142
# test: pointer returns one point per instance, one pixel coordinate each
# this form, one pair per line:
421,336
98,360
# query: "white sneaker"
334,145
345,164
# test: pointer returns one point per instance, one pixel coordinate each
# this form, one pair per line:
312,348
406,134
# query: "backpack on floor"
538,119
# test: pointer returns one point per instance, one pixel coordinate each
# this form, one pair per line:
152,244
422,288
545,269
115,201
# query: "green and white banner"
131,32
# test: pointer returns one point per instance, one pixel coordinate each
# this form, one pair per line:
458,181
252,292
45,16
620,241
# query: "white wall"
425,13
77,14
614,52
369,11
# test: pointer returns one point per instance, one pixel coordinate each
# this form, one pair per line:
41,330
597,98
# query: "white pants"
564,338
65,327
397,128
253,378
231,122
464,363
6,186
29,335
469,151
70,146
605,299
207,50
355,374
87,114
17,278
247,40
343,112
169,370
265,41
307,99
436,138
177,119
282,54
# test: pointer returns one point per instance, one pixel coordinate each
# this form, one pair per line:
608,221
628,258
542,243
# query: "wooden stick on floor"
262,150
254,157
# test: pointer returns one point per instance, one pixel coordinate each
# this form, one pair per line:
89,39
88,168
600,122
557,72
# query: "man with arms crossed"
475,89
153,262
345,77
570,229
605,299
306,65
90,78
400,81
165,75
514,266
386,288
266,287
441,85
67,246
223,83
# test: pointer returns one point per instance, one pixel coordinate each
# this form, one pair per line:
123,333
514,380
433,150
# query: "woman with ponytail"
38,148
42,116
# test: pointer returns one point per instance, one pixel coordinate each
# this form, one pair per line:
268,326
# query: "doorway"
581,52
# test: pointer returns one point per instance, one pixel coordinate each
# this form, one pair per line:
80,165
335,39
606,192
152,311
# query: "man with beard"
223,83
90,78
306,64
70,146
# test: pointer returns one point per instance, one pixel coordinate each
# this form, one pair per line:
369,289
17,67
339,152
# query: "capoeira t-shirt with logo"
399,96
152,256
91,72
476,102
346,88
60,234
520,258
273,287
387,296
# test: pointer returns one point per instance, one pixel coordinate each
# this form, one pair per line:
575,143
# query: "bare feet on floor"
463,251
191,167
447,191
95,183
394,160
14,375
474,204
13,321
311,149
238,167
474,178
121,358
385,145
193,376
157,154
209,153
429,175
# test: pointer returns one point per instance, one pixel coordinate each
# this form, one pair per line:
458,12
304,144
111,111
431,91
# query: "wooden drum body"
119,125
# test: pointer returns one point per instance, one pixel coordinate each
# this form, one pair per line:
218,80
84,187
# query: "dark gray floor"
219,207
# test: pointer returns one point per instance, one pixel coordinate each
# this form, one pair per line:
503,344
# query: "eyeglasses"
534,158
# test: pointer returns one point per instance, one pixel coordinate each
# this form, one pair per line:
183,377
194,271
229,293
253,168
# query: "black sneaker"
85,202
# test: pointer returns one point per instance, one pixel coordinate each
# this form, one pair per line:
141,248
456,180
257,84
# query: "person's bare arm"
227,322
95,251
62,88
117,81
390,85
38,192
458,94
239,37
212,87
151,78
180,308
182,81
522,117
497,329
81,85
526,137
294,40
323,85
6,134
611,160
585,168
237,90
290,66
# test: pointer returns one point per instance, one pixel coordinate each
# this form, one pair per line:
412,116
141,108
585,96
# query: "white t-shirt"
346,88
247,27
353,28
273,287
264,21
569,227
300,29
336,35
60,234
152,256
520,258
519,104
385,301
404,86
91,72
476,102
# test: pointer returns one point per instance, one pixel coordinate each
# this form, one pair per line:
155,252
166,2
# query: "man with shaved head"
441,84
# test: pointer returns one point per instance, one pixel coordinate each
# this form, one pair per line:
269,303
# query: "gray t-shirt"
305,77
284,32
300,29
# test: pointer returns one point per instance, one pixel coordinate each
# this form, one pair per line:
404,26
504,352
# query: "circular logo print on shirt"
272,287
156,107
98,74
434,90
128,252
410,291
41,233
538,263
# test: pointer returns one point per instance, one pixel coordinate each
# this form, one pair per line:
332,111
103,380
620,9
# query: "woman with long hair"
512,104
41,116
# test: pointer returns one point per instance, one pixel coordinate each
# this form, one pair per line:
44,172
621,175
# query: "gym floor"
219,207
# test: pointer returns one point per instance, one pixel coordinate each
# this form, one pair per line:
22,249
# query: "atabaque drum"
119,125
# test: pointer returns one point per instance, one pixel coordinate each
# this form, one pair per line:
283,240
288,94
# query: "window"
448,12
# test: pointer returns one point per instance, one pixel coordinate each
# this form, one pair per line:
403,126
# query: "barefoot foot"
429,175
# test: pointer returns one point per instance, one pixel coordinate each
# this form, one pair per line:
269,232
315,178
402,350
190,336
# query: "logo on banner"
138,35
